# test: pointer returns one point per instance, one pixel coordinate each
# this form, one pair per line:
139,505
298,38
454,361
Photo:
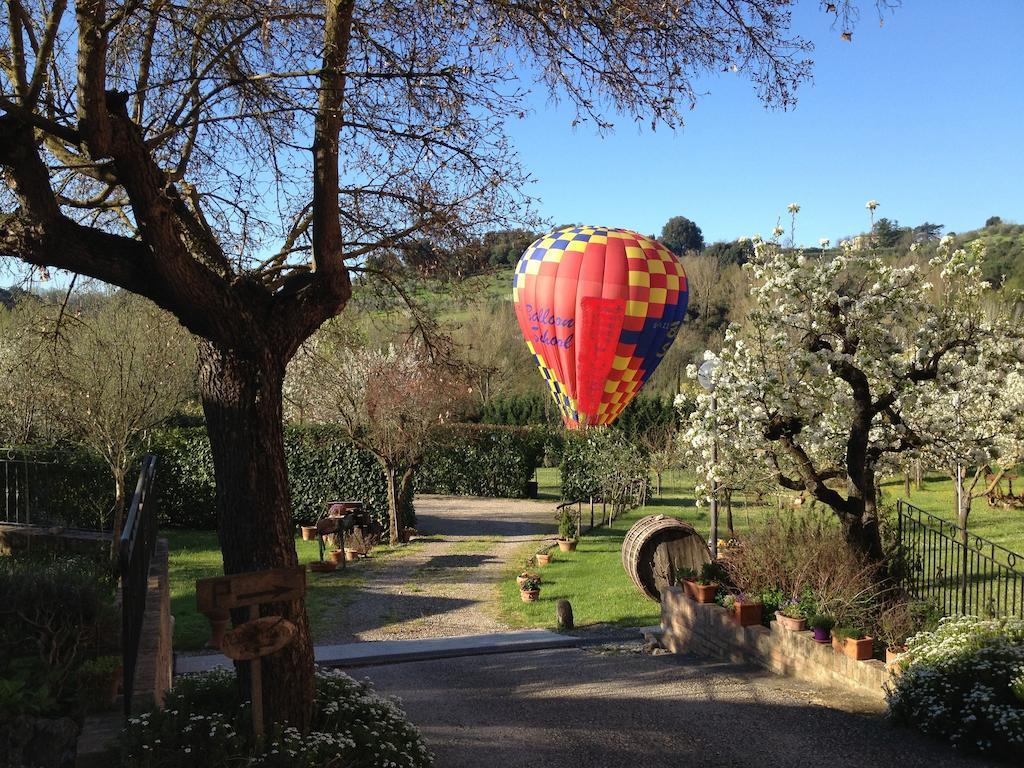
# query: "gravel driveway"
446,586
581,709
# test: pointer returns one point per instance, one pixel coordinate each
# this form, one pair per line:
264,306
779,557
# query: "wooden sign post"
257,637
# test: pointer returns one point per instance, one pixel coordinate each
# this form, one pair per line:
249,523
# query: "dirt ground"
446,585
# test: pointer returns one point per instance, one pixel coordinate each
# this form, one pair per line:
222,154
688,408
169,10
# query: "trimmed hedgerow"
201,725
323,466
481,460
64,484
965,683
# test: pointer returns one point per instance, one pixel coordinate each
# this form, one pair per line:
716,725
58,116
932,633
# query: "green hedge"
63,485
482,460
322,466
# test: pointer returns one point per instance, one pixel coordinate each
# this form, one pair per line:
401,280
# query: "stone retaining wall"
709,630
154,669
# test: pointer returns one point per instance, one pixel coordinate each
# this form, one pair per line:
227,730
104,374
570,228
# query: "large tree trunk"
242,399
117,523
392,481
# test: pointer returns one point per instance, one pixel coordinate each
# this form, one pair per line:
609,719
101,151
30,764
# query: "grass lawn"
594,581
196,555
591,578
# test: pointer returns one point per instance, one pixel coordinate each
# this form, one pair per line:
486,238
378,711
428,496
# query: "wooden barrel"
658,545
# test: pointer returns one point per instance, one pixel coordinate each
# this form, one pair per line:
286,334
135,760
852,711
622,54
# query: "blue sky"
925,115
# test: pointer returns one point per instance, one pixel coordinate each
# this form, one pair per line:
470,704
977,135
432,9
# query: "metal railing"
18,467
957,571
135,551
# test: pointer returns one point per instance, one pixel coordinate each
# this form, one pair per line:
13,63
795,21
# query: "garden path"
445,585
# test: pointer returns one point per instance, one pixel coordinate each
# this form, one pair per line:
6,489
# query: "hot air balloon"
599,308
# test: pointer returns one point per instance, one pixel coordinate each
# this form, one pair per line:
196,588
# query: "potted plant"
568,533
708,582
336,554
99,681
748,610
543,558
360,542
687,578
529,590
895,625
853,642
821,624
309,533
523,577
791,616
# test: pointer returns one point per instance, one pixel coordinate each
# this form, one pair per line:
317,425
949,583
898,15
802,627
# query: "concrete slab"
375,652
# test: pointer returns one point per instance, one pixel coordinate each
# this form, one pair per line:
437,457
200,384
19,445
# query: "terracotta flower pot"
335,555
689,588
529,595
325,566
351,554
704,593
521,579
748,614
567,545
309,533
788,622
893,661
858,650
542,560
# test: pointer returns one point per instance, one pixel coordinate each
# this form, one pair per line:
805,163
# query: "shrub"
518,410
959,684
55,612
481,460
602,464
803,554
567,528
203,725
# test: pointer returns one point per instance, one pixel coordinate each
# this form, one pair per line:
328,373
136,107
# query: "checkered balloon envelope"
599,308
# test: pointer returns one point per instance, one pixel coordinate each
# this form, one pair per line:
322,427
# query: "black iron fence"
19,470
957,571
138,541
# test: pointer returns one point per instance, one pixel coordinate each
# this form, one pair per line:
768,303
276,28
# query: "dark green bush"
644,415
57,610
519,410
323,466
63,485
481,460
201,725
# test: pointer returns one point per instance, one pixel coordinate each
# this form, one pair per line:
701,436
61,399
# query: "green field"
196,555
592,578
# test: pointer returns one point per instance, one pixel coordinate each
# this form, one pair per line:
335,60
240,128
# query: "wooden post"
256,676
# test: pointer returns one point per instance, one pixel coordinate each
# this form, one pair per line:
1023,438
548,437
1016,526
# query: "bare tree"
387,401
236,161
118,371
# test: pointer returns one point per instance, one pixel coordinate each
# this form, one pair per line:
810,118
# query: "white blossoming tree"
387,401
818,383
976,422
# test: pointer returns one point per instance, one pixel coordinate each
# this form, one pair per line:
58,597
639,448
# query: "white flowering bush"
961,684
203,725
